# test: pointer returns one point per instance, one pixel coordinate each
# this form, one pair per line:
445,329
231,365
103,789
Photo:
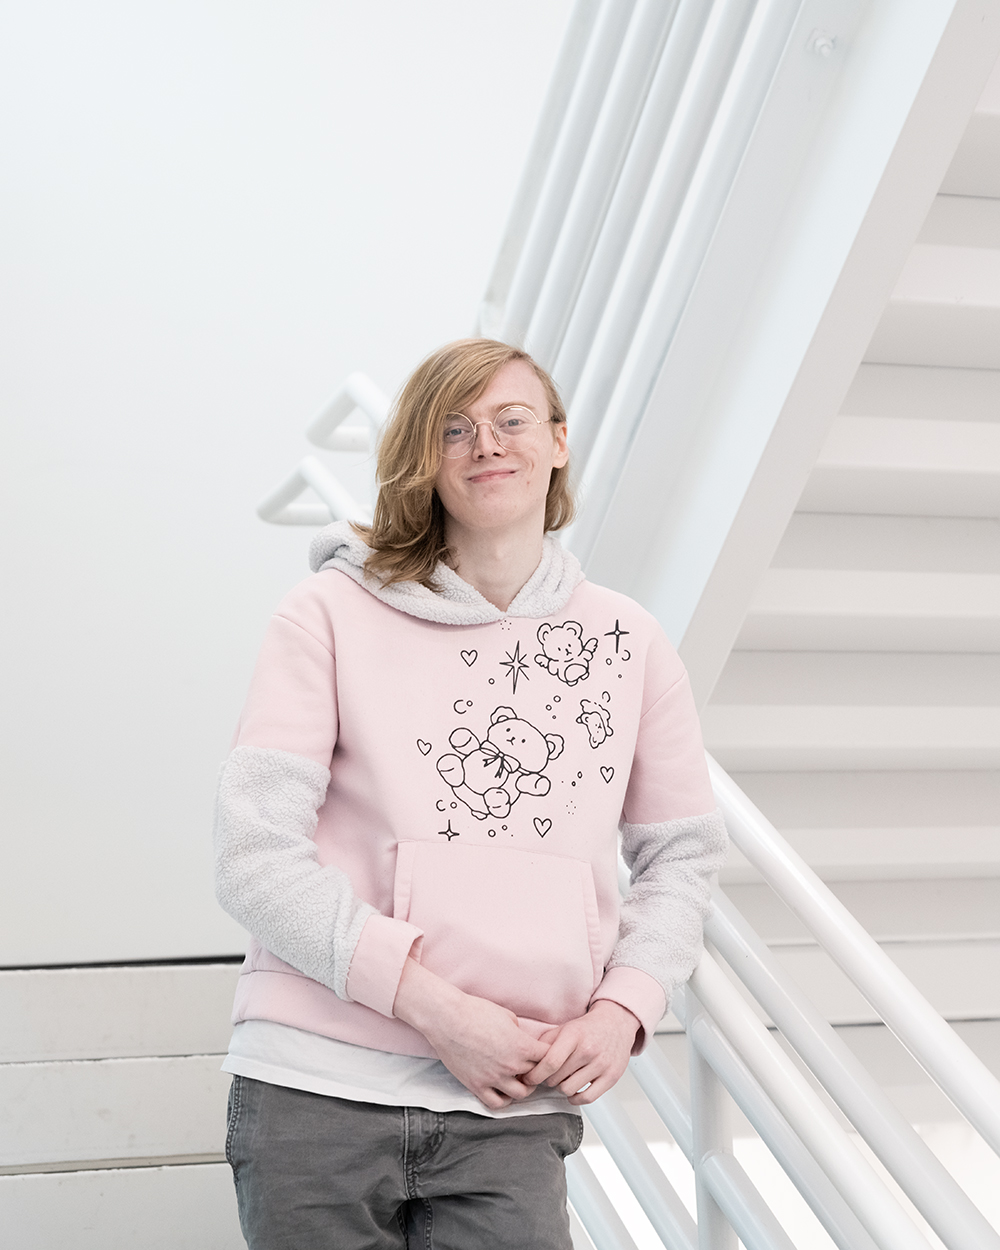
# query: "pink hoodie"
478,776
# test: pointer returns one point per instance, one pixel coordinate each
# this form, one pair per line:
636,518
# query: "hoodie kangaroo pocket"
518,928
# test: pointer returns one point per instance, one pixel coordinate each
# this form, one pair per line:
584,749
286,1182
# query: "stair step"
113,1109
784,737
962,221
918,544
871,678
975,167
924,391
873,610
944,310
912,467
886,854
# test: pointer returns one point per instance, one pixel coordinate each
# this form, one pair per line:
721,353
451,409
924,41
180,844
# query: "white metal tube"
594,1208
711,1136
599,174
737,114
279,507
633,184
359,391
930,1039
564,168
925,1181
342,504
663,1088
788,1089
645,1177
751,1218
806,1175
682,153
568,61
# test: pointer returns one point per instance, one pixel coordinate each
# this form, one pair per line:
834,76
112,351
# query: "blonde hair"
407,532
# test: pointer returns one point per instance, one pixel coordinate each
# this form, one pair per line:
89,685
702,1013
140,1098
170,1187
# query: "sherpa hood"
545,592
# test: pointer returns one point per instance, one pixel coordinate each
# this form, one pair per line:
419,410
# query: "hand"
589,1054
477,1041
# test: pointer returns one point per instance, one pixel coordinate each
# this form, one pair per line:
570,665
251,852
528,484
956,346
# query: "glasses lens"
457,435
515,425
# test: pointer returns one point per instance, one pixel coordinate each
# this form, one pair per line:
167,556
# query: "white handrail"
920,1174
564,168
725,146
646,1178
788,1089
826,1202
633,184
280,508
595,186
579,30
930,1039
359,391
594,1208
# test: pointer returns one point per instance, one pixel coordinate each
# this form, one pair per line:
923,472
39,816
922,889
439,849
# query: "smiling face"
498,488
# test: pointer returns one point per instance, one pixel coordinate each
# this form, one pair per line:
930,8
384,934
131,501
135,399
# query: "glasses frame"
493,423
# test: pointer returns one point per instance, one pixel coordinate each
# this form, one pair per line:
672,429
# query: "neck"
495,564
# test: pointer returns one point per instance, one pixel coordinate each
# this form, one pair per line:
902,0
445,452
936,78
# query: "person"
447,731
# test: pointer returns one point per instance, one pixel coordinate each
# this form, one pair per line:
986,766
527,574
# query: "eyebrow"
510,403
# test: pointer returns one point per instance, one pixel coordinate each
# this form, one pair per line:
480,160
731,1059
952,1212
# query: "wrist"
423,999
626,1020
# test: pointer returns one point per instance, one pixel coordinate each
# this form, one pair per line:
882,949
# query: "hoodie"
417,773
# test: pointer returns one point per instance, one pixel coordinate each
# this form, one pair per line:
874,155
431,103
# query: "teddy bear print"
596,720
564,654
491,775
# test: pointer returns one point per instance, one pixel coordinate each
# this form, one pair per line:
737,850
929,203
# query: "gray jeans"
320,1173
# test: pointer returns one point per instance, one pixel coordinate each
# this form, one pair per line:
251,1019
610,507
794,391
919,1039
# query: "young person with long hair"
447,733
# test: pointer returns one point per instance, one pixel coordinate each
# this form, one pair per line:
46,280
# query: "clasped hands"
483,1045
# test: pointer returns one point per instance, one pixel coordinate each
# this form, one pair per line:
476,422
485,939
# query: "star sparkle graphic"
617,634
448,833
516,665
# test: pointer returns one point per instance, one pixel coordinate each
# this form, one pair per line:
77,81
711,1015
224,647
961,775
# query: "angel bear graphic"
596,720
564,654
491,775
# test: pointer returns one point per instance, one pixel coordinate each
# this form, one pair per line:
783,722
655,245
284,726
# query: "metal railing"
733,1053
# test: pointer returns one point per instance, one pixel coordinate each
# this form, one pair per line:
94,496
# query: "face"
495,487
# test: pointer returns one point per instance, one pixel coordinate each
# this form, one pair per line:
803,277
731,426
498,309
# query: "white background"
212,211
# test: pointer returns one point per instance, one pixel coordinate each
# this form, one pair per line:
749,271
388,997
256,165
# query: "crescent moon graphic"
458,708
626,655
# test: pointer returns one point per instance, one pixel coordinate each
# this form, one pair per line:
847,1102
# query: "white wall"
213,210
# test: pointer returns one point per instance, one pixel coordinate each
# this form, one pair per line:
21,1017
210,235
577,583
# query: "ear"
575,628
561,452
543,633
555,745
502,714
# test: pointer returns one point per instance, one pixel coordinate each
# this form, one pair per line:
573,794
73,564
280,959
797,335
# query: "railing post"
712,1135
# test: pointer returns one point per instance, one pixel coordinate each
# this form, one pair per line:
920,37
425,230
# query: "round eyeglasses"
512,427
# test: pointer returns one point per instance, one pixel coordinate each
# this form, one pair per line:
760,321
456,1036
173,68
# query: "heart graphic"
423,747
470,657
607,773
542,826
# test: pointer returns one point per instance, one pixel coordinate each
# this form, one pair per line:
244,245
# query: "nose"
486,443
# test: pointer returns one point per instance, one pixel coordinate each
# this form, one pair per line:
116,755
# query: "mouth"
490,475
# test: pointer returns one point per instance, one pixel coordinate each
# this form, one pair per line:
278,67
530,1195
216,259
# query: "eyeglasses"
512,427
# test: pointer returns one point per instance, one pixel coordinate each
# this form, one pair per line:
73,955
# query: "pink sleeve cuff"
639,993
379,956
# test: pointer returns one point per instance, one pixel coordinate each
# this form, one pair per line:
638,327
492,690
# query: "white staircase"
860,708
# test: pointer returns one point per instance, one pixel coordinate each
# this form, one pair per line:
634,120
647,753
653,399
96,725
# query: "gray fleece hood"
545,592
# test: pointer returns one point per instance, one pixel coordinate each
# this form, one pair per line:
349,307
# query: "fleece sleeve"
268,876
673,841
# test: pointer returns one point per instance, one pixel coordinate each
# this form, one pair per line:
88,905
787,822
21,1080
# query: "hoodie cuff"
639,993
379,957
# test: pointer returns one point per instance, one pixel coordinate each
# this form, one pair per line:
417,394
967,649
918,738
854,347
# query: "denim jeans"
319,1173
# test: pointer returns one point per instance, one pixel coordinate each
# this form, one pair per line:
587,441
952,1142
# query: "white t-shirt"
282,1055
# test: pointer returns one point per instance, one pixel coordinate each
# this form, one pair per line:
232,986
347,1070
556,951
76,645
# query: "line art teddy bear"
564,654
489,776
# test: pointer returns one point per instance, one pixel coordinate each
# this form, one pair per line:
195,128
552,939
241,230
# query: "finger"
555,1058
495,1099
594,1090
577,1081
